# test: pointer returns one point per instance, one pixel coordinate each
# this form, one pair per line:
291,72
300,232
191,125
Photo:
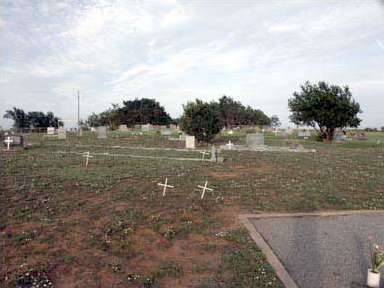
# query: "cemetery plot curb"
272,258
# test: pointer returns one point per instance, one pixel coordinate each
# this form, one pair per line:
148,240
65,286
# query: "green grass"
108,223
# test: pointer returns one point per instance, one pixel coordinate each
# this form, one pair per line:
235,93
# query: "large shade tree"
324,107
201,119
137,111
234,113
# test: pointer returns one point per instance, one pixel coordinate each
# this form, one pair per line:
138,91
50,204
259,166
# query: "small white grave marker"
8,141
204,189
204,153
86,154
165,185
229,145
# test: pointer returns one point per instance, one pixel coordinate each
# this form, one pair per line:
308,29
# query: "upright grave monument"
190,142
51,131
102,132
123,128
255,140
61,133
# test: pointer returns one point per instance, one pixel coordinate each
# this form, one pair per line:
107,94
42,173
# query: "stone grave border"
136,156
272,258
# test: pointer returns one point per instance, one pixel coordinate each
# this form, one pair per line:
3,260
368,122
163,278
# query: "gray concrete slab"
320,252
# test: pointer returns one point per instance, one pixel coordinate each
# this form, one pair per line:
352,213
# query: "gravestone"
255,140
213,153
145,128
305,134
123,128
174,127
341,138
51,130
190,142
15,141
62,133
102,132
166,132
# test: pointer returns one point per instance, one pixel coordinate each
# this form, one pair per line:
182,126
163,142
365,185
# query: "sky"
258,52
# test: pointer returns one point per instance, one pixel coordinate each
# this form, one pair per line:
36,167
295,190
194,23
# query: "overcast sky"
257,51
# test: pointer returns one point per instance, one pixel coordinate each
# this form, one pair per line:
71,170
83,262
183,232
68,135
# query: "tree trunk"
330,133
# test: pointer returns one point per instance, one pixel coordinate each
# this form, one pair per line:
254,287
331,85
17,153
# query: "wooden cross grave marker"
204,189
87,155
8,141
165,185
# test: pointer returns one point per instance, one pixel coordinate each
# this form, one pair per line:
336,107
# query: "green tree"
201,119
138,111
33,119
19,117
233,113
324,107
275,121
143,111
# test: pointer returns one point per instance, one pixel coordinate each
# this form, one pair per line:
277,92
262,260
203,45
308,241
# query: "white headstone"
255,140
61,133
190,142
102,132
51,130
146,127
123,128
166,132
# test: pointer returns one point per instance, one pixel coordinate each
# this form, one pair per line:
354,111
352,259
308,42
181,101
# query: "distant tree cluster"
32,119
204,120
132,112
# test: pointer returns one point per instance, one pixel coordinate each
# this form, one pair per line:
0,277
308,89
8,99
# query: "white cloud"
177,50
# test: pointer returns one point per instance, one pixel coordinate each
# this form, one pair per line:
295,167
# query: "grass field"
107,225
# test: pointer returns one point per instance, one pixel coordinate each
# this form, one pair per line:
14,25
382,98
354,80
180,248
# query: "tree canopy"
325,107
33,119
233,113
204,120
138,111
201,119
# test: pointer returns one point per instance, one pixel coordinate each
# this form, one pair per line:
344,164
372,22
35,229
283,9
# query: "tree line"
33,119
323,106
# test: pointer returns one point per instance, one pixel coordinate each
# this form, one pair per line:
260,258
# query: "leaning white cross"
204,153
86,154
204,189
8,141
165,186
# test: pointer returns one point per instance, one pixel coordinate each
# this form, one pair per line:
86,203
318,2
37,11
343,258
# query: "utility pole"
78,111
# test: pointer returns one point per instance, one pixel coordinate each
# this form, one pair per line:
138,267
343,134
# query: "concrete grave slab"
320,249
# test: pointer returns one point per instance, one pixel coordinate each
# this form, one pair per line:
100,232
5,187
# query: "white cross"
204,153
8,141
204,188
86,154
230,145
165,186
